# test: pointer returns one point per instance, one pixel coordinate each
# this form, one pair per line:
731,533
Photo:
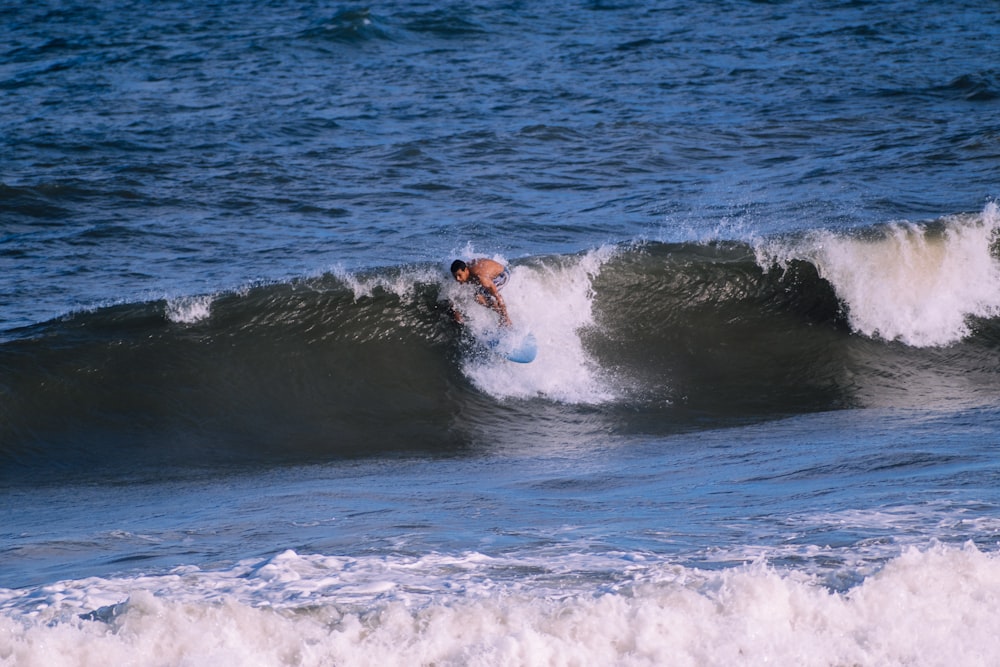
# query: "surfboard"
519,347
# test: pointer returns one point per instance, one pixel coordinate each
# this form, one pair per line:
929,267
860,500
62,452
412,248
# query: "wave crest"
917,284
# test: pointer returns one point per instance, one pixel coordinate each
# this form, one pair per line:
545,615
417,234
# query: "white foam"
401,283
936,606
189,309
911,284
554,300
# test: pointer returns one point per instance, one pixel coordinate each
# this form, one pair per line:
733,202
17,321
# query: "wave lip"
188,310
916,284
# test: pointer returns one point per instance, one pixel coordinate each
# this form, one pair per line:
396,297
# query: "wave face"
642,338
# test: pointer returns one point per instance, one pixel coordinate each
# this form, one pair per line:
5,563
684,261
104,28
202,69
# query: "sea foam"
188,310
554,300
934,606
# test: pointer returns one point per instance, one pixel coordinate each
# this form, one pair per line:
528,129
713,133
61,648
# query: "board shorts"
499,280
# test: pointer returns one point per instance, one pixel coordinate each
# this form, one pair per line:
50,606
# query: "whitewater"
319,610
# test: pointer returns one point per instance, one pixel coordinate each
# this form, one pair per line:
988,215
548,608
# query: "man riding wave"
488,277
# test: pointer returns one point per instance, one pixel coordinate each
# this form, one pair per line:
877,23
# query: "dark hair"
458,265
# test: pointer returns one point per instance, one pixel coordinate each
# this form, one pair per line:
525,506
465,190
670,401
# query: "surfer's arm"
501,308
496,301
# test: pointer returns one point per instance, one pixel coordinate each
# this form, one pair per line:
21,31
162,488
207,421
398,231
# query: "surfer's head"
460,270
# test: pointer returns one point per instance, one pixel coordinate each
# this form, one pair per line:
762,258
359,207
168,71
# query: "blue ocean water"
756,243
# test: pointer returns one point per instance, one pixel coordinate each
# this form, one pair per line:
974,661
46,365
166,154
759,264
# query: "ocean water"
756,242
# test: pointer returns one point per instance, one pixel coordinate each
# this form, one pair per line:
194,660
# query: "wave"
358,26
919,284
633,339
930,606
349,26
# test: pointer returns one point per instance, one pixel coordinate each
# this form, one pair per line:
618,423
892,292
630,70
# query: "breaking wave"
637,338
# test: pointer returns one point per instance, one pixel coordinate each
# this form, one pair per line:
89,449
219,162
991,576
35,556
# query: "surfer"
488,277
